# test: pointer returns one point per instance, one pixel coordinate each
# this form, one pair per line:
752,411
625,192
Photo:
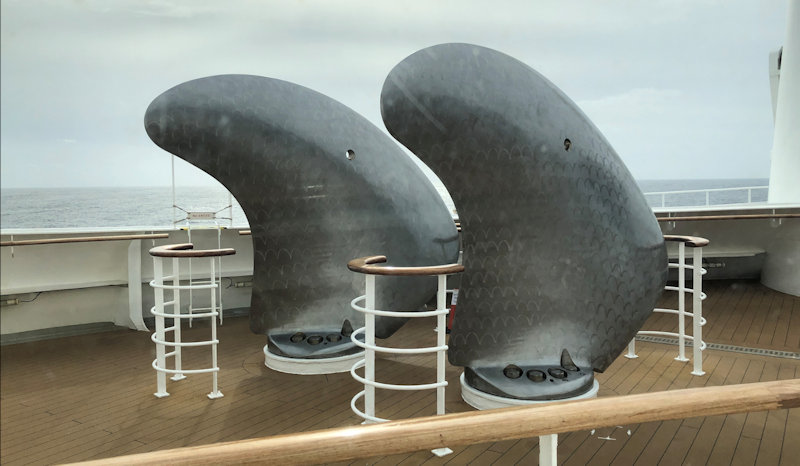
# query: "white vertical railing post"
632,349
441,332
191,282
161,377
214,277
681,302
176,321
708,197
548,450
697,311
215,393
369,353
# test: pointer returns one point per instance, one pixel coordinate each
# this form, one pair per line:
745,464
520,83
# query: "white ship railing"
707,193
698,321
177,252
370,267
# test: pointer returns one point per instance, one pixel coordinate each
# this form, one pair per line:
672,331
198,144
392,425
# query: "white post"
681,302
161,377
219,270
548,450
176,321
174,216
441,331
230,209
632,349
697,311
369,353
215,393
191,280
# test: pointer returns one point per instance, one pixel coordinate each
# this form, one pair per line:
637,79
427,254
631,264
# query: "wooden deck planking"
91,396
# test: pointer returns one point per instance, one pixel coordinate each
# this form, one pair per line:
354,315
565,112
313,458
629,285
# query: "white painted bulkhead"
61,285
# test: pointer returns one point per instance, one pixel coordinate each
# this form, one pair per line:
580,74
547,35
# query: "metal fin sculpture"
564,259
320,185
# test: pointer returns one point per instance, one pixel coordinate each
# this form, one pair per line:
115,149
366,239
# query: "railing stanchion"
176,321
697,311
631,354
681,303
441,333
548,450
161,377
369,353
215,393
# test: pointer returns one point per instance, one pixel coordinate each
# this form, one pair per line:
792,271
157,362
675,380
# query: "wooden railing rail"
84,239
411,435
694,218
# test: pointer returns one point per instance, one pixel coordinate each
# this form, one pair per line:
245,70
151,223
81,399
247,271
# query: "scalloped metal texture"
560,248
282,151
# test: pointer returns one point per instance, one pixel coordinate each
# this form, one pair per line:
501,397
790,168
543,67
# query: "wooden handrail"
694,218
367,265
245,232
84,239
691,241
348,443
186,250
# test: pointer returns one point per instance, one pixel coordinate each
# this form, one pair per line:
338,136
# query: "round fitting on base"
481,400
316,366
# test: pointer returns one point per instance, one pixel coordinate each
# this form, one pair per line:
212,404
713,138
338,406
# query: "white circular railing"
369,266
698,321
177,252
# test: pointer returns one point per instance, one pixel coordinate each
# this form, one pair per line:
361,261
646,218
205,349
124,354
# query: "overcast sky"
679,87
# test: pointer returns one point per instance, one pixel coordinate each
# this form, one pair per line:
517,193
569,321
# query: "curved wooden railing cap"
187,250
368,265
691,241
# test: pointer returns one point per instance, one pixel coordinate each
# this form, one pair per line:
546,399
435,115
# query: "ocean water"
111,207
152,207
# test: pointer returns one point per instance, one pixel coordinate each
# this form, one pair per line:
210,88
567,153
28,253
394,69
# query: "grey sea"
152,207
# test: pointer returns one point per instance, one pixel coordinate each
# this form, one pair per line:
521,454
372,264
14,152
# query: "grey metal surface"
561,249
282,151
